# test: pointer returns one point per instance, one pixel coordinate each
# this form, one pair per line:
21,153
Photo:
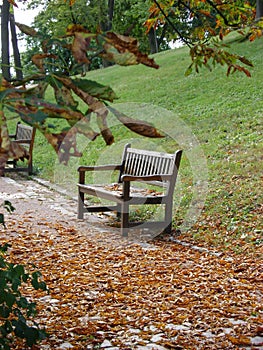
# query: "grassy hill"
216,119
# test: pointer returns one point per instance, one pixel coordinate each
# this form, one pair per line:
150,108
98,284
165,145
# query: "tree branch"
171,24
215,7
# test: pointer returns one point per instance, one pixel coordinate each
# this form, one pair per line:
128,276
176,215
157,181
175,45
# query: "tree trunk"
259,12
107,26
17,60
5,64
153,41
110,13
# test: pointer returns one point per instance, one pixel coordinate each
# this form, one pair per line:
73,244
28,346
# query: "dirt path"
40,202
114,293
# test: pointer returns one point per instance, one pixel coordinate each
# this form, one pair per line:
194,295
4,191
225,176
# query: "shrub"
8,207
16,311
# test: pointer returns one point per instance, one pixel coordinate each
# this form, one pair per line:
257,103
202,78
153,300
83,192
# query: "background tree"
5,50
52,69
65,53
259,11
202,25
126,17
8,30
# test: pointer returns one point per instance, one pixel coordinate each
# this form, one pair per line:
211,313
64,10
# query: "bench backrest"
142,163
24,132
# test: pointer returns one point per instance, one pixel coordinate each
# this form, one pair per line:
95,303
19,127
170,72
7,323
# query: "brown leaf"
124,51
105,131
38,60
139,126
79,48
64,144
81,42
95,106
64,97
241,340
26,29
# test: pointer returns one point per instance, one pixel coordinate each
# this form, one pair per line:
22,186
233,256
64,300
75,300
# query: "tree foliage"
52,70
125,17
202,26
16,311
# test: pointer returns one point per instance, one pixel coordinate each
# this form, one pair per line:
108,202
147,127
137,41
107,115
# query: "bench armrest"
83,169
146,178
99,167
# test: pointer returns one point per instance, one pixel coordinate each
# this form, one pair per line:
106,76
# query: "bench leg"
30,167
168,218
118,210
168,229
124,219
80,205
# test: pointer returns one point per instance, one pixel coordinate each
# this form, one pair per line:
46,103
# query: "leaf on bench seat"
133,190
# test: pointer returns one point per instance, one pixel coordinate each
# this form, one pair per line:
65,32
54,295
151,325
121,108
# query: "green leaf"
4,248
102,92
2,277
31,335
42,285
15,284
19,270
31,309
39,116
35,283
19,328
188,71
5,93
8,206
25,277
2,219
10,299
22,302
4,311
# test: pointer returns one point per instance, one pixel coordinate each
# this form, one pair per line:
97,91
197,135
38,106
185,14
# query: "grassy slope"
224,113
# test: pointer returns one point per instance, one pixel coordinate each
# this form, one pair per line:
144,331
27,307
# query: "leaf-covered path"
115,293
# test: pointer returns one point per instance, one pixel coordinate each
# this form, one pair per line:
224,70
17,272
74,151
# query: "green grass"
223,113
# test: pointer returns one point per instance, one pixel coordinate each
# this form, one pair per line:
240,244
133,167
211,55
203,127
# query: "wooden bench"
25,136
147,167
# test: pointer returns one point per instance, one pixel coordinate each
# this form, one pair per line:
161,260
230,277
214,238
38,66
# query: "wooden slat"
151,163
149,166
24,132
98,209
146,152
